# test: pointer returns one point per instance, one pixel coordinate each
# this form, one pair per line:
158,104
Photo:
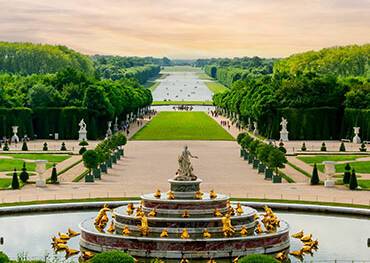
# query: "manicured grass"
5,183
182,126
321,158
9,165
17,159
180,69
216,87
207,103
152,85
360,167
364,184
204,76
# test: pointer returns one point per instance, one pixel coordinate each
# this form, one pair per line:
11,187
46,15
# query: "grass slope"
182,126
216,87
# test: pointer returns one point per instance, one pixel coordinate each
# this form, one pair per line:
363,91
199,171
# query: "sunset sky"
187,28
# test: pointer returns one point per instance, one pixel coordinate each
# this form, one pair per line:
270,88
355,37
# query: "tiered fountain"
184,223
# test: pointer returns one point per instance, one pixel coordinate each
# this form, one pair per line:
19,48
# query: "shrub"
120,138
246,141
4,258
253,146
54,175
15,181
258,259
342,147
63,147
353,181
45,147
24,146
6,146
281,147
240,137
363,147
24,176
90,159
82,150
113,256
303,148
347,174
315,180
323,147
263,151
83,143
276,159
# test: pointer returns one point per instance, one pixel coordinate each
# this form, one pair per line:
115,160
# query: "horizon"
191,30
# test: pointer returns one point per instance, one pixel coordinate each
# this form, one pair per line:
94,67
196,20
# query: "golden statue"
212,194
58,240
217,213
313,243
231,211
211,261
236,260
139,212
144,228
243,231
170,195
126,231
60,246
63,236
86,255
297,253
281,256
298,235
306,238
198,195
71,252
184,260
307,249
164,233
130,208
227,227
259,228
206,234
185,234
111,227
157,194
72,233
185,214
239,209
102,213
153,212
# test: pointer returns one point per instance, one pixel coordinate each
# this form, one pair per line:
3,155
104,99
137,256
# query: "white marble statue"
109,131
82,133
15,138
356,138
284,132
255,131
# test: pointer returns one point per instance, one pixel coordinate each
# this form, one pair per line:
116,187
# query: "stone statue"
15,137
284,132
109,131
82,125
356,138
115,127
249,127
82,133
255,131
185,171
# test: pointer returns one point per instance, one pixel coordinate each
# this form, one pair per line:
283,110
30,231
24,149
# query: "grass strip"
286,177
182,102
82,175
299,169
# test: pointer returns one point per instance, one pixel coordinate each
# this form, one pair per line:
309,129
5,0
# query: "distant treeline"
323,94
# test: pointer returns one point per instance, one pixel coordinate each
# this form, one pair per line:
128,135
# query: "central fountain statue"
185,171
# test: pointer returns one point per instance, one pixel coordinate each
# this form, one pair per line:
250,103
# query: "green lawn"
182,126
17,161
321,158
365,184
360,167
5,183
204,76
193,102
152,85
216,87
180,69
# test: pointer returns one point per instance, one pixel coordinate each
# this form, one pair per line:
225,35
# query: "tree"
353,181
276,159
41,95
347,174
15,181
24,176
342,147
315,180
24,146
54,175
90,159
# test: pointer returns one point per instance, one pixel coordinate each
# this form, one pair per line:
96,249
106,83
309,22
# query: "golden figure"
103,221
86,255
228,203
231,211
70,252
184,260
298,235
130,208
164,233
126,231
111,227
58,240
313,243
185,234
72,233
243,231
227,227
63,236
281,256
206,234
139,212
102,212
170,195
212,194
296,253
211,261
259,228
307,249
157,194
185,214
153,212
217,213
198,195
256,216
144,228
60,246
239,209
235,260
306,238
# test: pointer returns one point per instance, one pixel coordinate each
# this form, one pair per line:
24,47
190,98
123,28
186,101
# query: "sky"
187,28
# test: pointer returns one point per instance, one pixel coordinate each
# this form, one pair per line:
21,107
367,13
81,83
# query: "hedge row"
356,118
21,117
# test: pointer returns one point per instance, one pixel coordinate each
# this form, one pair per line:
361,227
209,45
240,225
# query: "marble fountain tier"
169,216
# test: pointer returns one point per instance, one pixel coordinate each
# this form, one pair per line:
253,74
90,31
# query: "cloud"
191,28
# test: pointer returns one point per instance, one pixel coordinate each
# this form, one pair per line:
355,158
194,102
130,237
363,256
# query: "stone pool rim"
291,207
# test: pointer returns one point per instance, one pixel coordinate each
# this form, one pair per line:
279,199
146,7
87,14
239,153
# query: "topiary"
240,137
6,146
363,147
4,258
323,147
54,175
63,147
315,180
353,181
342,147
82,150
281,147
113,256
24,146
303,148
347,174
246,141
45,148
258,258
15,181
90,159
83,143
24,176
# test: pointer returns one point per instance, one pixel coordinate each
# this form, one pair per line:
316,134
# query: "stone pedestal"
82,136
184,189
329,183
329,172
284,136
40,169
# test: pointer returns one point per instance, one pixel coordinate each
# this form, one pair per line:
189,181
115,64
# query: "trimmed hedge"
21,117
356,118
